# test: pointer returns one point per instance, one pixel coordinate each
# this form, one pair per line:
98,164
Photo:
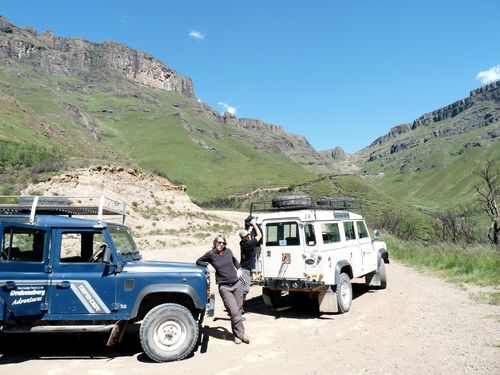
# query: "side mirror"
376,234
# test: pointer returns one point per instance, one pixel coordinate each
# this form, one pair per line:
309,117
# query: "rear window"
282,234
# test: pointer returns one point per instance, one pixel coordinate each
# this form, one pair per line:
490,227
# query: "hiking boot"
237,340
245,339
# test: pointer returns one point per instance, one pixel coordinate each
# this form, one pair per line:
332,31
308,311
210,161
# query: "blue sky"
341,73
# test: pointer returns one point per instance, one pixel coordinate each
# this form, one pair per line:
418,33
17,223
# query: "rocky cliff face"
70,56
480,109
272,138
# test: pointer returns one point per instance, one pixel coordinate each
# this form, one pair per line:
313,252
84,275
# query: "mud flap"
373,279
327,300
116,335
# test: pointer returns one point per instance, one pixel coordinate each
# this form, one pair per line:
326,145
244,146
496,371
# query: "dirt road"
418,325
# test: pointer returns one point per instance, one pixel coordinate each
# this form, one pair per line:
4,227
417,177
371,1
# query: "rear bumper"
290,284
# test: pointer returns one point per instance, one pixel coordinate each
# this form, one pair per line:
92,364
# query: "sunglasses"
221,242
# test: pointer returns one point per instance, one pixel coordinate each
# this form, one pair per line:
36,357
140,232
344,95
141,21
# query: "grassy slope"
156,139
142,127
439,174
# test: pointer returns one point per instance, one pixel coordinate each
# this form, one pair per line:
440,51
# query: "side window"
349,230
78,247
330,232
23,245
282,234
362,231
310,236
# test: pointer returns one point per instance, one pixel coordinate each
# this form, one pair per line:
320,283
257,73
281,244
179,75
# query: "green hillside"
440,174
114,121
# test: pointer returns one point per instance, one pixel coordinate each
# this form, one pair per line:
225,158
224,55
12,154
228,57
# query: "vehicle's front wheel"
168,332
344,293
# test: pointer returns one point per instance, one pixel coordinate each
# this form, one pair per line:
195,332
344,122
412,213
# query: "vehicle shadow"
298,305
22,347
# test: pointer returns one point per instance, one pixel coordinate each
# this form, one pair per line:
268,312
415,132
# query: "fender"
168,288
338,268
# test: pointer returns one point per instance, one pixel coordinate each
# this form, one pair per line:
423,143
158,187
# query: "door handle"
10,285
63,284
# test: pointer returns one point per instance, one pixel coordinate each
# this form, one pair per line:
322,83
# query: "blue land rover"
60,273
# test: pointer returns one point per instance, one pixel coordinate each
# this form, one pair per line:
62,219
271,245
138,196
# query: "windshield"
124,242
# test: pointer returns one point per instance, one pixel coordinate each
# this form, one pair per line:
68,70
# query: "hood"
152,266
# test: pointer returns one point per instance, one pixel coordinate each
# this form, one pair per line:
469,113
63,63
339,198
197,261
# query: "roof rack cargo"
301,202
57,205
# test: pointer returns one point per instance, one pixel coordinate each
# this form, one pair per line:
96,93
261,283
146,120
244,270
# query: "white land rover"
315,246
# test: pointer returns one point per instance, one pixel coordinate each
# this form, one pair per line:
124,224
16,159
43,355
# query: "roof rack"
302,202
56,205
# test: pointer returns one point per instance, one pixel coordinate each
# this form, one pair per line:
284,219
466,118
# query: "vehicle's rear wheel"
344,293
168,332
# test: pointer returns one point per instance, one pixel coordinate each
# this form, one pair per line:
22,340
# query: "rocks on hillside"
70,56
480,109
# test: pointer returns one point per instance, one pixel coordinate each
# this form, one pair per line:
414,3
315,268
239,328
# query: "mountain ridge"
74,56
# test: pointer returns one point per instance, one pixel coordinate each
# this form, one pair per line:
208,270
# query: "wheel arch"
343,266
383,255
154,295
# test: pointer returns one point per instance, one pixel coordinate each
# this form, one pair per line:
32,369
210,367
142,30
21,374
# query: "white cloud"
227,108
490,75
197,35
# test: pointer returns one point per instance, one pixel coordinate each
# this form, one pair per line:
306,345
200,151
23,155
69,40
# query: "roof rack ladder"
33,209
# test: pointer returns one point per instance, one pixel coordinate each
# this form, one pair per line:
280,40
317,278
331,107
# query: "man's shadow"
219,333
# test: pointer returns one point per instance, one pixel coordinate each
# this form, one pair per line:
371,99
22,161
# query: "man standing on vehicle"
247,257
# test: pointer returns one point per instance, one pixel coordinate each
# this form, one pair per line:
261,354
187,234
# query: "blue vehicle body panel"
47,286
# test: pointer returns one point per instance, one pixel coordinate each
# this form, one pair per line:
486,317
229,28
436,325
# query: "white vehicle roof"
304,208
308,215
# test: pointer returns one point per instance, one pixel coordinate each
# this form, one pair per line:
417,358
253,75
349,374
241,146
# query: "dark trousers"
246,282
232,297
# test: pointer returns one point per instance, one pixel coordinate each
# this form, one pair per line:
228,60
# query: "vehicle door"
369,261
81,283
282,250
353,248
23,271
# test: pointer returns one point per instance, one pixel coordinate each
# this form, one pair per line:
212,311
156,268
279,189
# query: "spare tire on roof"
336,203
291,201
